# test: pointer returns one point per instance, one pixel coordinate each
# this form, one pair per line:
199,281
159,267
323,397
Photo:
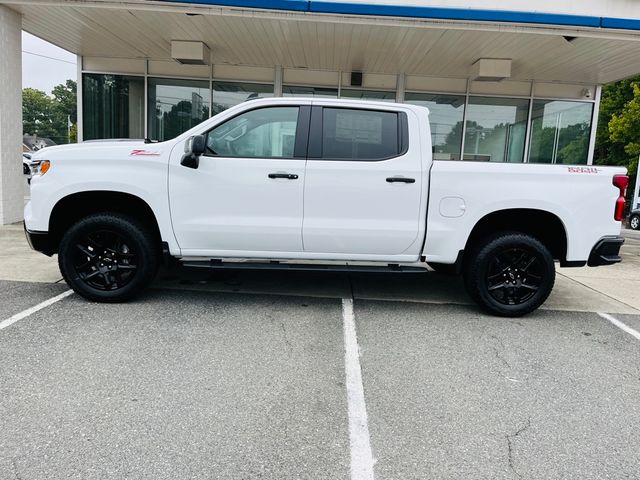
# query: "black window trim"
314,151
302,132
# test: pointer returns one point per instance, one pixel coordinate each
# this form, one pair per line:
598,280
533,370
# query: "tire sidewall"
132,232
637,218
477,281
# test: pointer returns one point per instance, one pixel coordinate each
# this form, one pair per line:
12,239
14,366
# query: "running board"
275,265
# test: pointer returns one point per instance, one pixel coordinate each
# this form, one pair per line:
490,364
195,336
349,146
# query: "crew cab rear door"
363,182
246,193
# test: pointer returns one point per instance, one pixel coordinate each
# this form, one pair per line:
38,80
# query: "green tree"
48,116
609,150
37,113
624,127
65,99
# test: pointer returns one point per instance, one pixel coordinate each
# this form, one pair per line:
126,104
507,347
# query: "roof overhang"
338,36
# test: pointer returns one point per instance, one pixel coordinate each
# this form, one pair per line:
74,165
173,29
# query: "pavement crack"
497,353
510,446
14,465
286,338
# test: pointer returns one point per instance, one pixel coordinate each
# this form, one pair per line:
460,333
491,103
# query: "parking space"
179,385
242,375
201,384
455,394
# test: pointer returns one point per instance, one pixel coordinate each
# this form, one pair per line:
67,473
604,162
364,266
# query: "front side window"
349,134
261,133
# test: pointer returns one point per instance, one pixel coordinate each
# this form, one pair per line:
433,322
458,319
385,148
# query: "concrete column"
11,179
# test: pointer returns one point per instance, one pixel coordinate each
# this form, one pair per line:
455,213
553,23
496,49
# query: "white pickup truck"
318,184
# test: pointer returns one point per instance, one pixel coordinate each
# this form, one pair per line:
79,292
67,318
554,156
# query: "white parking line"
34,309
361,457
621,325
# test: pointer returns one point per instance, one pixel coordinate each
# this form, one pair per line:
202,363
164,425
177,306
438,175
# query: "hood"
100,149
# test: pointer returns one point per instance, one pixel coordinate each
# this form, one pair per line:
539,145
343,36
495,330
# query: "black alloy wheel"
514,275
104,260
109,257
509,274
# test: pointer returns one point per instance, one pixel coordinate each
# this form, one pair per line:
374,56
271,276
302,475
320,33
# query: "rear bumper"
606,251
39,241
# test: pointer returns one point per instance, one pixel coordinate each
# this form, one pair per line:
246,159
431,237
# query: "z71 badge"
144,153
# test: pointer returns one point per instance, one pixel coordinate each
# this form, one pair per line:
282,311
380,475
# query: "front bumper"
39,241
606,251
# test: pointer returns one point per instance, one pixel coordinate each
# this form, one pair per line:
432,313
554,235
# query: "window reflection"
560,132
445,117
175,106
375,95
496,129
295,91
229,94
113,106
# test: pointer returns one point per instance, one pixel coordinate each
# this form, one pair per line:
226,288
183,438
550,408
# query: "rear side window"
350,134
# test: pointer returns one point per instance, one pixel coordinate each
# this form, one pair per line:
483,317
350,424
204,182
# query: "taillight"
620,181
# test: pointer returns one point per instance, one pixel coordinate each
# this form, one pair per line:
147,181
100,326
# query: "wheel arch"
71,208
546,226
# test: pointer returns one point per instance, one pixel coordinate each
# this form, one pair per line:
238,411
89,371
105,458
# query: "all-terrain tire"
134,258
509,288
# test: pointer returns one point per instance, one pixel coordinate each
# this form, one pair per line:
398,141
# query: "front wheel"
509,274
634,222
108,257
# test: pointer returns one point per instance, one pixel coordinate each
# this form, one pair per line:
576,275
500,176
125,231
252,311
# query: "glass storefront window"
496,129
446,113
295,91
560,131
175,106
112,106
229,94
374,95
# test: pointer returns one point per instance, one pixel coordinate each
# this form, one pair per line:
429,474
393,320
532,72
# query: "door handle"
288,176
401,180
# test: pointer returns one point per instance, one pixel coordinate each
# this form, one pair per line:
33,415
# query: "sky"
44,65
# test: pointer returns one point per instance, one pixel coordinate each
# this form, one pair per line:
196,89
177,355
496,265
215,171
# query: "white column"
594,125
11,179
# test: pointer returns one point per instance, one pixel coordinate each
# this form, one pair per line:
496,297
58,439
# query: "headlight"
40,168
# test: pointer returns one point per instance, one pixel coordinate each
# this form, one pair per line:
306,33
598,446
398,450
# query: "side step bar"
275,265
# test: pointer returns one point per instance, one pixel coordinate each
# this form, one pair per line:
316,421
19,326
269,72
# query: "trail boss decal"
144,153
583,170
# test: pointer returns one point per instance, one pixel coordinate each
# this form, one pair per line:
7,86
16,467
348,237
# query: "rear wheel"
108,257
509,274
634,222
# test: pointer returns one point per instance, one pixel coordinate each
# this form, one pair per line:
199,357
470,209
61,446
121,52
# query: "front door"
363,183
246,194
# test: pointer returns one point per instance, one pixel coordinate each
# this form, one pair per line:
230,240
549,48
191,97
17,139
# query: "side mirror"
193,148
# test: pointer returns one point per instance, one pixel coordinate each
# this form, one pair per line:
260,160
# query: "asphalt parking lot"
249,375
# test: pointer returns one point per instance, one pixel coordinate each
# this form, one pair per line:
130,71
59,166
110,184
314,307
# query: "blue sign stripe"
439,13
453,13
622,23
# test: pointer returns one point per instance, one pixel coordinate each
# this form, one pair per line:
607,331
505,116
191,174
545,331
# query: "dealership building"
505,81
